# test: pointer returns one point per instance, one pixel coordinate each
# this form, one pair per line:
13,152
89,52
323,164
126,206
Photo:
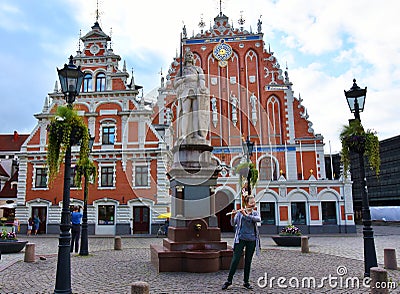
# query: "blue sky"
324,43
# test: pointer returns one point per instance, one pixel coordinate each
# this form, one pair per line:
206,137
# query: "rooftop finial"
241,20
220,7
79,40
202,24
97,11
111,38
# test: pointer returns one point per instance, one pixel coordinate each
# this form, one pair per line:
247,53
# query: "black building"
383,190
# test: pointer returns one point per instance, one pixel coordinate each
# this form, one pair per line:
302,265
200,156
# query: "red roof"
12,142
3,172
8,191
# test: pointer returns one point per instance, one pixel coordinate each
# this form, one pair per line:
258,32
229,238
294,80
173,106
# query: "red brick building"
250,96
131,178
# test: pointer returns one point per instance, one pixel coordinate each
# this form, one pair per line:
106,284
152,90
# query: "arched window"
87,83
101,82
274,120
267,169
235,163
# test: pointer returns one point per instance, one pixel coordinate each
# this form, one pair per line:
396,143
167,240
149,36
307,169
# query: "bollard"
389,258
378,275
117,243
304,245
29,252
140,288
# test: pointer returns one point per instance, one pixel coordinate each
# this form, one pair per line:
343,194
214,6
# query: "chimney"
15,136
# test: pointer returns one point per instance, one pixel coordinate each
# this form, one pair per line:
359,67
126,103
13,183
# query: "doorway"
41,212
141,220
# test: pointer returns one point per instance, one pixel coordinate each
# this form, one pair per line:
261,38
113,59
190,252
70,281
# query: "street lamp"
84,250
356,100
248,147
71,80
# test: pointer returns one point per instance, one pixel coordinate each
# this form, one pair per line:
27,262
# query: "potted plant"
288,236
355,139
67,128
9,242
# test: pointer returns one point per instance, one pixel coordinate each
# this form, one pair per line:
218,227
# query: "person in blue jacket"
76,217
246,236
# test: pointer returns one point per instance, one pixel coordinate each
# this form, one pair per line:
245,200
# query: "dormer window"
100,82
87,83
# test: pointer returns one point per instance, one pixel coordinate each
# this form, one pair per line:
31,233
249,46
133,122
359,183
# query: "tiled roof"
12,142
3,172
7,191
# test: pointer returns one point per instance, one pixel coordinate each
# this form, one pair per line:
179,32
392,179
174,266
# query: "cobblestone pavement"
108,271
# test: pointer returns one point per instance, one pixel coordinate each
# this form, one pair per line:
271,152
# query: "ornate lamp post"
71,80
84,250
248,147
356,100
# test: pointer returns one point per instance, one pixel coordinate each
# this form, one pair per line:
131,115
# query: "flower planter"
289,241
11,246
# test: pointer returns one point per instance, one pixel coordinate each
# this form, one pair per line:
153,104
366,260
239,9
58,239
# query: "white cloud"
325,43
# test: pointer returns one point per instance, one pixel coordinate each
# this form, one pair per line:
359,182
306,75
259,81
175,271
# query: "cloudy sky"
325,44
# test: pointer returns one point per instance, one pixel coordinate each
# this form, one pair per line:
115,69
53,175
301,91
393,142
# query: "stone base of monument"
194,239
195,248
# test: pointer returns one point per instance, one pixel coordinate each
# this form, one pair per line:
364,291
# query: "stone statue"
234,102
193,103
214,104
253,101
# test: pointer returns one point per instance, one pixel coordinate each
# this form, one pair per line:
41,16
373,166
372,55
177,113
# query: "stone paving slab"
109,271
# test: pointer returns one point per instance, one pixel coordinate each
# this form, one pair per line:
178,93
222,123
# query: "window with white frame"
107,176
267,169
141,176
267,211
298,213
108,135
106,214
41,177
328,212
87,83
100,82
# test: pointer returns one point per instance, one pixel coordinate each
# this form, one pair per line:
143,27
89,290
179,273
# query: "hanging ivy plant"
67,128
244,170
248,167
84,168
355,139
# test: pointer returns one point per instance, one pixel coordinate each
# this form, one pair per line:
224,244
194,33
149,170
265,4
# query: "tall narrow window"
267,169
108,135
72,181
41,178
141,176
267,213
235,163
274,121
298,213
107,176
101,82
328,213
87,83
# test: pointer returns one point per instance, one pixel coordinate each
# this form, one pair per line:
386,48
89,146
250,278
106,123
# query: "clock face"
222,51
94,49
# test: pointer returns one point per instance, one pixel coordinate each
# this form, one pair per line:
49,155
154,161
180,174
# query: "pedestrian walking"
30,226
36,223
76,217
246,236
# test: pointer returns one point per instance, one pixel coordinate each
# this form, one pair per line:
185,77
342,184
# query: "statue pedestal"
194,239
